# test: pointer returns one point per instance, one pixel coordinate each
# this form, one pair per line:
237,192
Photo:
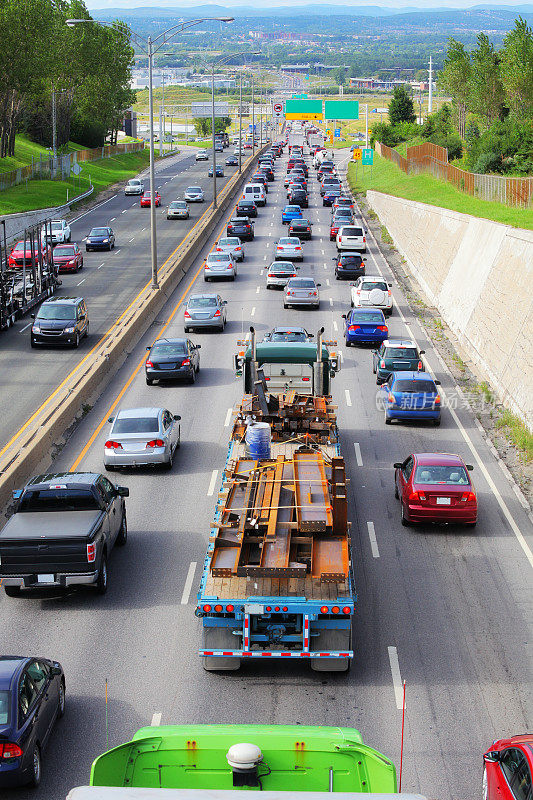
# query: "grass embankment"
388,178
43,194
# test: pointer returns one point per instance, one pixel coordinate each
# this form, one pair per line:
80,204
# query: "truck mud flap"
219,639
328,641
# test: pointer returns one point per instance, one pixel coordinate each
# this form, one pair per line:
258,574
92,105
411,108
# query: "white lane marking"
117,251
134,204
327,282
335,326
331,301
264,258
94,208
252,312
348,397
258,290
132,238
325,266
261,271
323,252
80,283
102,264
358,456
188,583
396,677
112,219
271,224
341,357
156,720
124,211
212,482
228,418
373,541
143,229
25,327
100,267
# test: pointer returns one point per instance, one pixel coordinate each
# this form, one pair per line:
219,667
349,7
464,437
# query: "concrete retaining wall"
479,275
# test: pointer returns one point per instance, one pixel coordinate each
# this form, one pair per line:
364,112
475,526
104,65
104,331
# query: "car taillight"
306,379
10,750
416,496
297,248
111,445
155,443
270,275
313,294
468,497
419,366
186,362
358,291
353,328
217,313
364,240
149,364
382,364
390,293
383,328
91,553
391,398
290,293
437,400
186,314
238,248
218,249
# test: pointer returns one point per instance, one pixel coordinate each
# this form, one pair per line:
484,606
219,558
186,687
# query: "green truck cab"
287,758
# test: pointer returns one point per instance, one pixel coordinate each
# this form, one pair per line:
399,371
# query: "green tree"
455,79
517,69
487,95
339,75
401,107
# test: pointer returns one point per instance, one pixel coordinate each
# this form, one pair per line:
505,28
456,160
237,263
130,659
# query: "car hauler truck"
277,579
214,762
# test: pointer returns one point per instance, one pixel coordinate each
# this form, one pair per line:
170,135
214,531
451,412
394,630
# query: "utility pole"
213,134
153,241
240,123
54,126
253,117
430,99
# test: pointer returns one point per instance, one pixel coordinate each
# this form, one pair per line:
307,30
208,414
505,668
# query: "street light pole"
213,135
153,235
240,123
253,118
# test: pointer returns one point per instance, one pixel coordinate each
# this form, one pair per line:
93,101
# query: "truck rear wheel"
12,591
219,639
331,640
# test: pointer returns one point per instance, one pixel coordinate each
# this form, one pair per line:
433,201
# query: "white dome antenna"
244,759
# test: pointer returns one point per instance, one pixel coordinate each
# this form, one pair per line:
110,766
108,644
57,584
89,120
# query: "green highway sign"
368,156
341,109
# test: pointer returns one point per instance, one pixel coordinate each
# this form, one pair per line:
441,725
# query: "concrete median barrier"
46,429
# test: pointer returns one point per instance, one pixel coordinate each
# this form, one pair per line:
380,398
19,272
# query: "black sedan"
32,698
232,161
219,171
100,239
348,265
246,208
172,359
242,227
300,228
299,197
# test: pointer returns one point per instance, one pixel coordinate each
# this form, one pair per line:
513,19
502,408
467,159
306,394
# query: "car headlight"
68,330
35,328
105,240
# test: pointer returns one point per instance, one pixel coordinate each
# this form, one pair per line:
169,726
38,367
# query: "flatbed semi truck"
277,577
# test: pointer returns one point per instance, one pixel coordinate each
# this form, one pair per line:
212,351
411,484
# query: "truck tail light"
111,445
391,398
437,400
91,553
324,610
346,610
229,608
155,443
10,750
306,379
335,610
207,608
218,608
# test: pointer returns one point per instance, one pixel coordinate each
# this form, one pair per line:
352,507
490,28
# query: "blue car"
100,239
290,212
32,698
411,396
364,325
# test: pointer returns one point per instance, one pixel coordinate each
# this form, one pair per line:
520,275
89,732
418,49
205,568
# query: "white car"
289,248
232,245
141,436
194,194
60,231
352,237
134,186
202,155
279,272
373,291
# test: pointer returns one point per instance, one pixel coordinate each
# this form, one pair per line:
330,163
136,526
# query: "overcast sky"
93,4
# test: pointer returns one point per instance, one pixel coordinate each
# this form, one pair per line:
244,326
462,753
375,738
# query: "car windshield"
4,708
367,317
288,336
53,311
65,251
428,387
302,283
57,226
401,352
194,189
293,209
367,286
134,183
202,302
99,232
352,231
50,499
230,241
178,204
449,475
289,240
166,350
136,425
300,223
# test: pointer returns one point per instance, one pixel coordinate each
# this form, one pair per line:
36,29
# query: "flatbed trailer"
277,578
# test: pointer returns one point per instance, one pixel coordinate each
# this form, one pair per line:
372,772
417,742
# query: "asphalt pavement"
109,281
447,610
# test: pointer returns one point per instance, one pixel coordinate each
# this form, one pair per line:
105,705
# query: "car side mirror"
397,465
55,670
177,417
123,491
422,352
343,316
111,419
492,755
148,348
389,285
470,467
197,346
319,284
32,316
224,302
437,383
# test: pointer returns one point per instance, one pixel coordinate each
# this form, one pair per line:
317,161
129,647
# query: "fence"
431,158
60,168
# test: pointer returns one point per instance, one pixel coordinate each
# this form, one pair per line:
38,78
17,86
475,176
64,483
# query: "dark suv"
61,320
396,355
349,265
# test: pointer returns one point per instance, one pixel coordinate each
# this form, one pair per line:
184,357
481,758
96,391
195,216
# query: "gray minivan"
60,320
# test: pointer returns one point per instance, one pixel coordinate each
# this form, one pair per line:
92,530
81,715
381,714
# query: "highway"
109,281
446,609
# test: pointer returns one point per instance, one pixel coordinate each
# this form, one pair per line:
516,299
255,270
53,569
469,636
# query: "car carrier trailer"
277,578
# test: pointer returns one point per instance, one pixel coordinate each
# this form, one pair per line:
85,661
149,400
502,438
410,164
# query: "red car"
68,257
334,229
146,199
508,769
435,487
16,257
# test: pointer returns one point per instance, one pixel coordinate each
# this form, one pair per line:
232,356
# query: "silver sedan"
279,273
232,245
301,292
220,265
178,209
289,248
204,311
142,436
194,194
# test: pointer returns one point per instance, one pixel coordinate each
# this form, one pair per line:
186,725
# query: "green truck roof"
296,758
287,352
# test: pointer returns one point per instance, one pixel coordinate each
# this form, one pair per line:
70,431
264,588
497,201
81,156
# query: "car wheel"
12,591
436,422
405,522
149,382
168,464
36,768
110,467
388,420
61,702
77,340
186,330
110,247
32,342
396,495
122,537
347,343
101,582
192,377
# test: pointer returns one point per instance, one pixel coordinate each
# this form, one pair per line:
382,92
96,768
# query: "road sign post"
367,156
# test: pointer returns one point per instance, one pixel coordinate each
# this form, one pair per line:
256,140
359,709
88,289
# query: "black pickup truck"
62,531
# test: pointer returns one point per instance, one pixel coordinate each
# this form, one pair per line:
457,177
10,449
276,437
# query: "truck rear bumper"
58,579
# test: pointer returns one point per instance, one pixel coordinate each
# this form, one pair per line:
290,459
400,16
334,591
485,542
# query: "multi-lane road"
445,609
109,281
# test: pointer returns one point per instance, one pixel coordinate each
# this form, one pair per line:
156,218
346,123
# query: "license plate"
444,501
253,608
46,578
